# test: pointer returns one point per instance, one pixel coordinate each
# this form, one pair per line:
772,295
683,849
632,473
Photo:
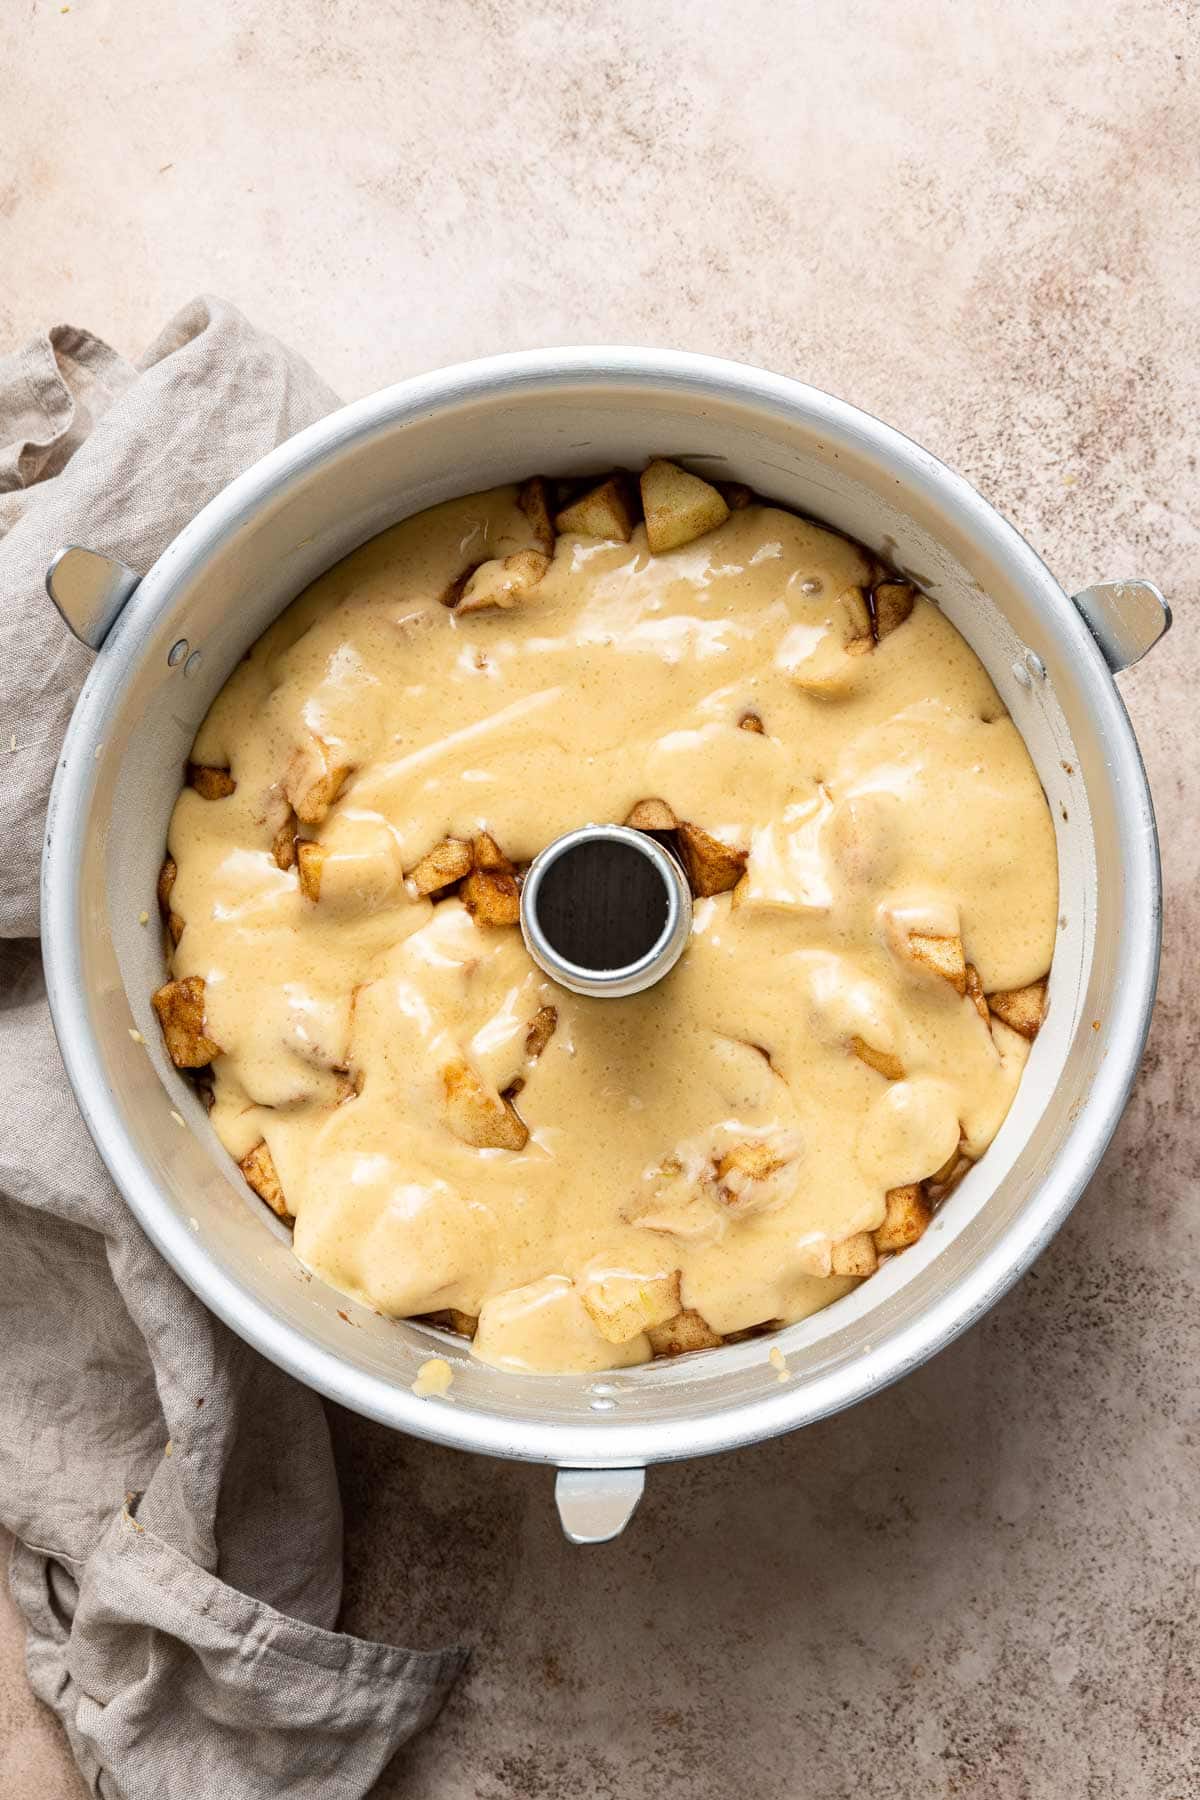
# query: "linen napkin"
173,1495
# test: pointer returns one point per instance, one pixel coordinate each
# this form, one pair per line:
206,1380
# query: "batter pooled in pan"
578,1183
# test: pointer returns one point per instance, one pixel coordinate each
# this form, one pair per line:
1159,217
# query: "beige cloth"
181,1603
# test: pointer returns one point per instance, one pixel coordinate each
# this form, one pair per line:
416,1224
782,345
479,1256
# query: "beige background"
980,219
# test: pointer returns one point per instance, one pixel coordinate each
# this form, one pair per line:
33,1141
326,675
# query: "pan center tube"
605,911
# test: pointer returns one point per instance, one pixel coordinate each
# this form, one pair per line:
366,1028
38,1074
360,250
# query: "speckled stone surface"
983,223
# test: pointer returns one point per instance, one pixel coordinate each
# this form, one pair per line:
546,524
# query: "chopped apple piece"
744,1164
546,1326
210,783
534,502
486,854
491,899
652,815
283,844
541,1030
477,1114
891,603
928,938
975,993
622,1306
503,583
452,593
180,1009
885,1061
905,1219
490,892
166,881
450,1319
315,778
1021,1009
941,956
711,866
855,1255
259,1169
685,1332
447,862
310,857
857,615
679,506
750,1175
603,512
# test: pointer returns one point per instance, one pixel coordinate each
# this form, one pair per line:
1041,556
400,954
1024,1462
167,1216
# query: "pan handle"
596,1505
89,591
1126,618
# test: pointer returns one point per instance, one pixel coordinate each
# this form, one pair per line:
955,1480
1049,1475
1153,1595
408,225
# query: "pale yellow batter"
705,1145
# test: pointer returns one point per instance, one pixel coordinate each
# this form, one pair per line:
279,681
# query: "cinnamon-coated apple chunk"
686,1332
975,993
445,864
622,1306
744,1164
534,501
886,1062
891,604
540,1030
603,512
451,1319
310,858
315,778
163,891
259,1169
283,844
210,783
476,1114
940,956
678,505
180,1008
490,892
166,882
503,582
905,1218
711,866
652,815
1021,1009
855,1255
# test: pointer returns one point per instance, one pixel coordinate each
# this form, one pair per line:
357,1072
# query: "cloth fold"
173,1495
